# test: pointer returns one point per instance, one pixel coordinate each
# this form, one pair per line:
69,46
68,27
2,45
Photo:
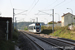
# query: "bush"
2,35
62,32
25,28
15,35
52,22
7,45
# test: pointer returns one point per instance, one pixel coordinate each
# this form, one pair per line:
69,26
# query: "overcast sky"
32,7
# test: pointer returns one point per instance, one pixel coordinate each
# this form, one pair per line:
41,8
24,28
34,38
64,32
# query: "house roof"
66,14
59,22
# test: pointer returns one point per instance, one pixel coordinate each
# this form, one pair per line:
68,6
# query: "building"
67,19
3,26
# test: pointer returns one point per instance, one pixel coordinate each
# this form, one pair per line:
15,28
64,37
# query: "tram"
35,27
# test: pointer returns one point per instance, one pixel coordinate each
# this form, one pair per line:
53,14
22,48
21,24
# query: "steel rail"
65,41
34,42
68,41
44,41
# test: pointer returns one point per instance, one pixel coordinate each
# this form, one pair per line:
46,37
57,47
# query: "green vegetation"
25,28
23,25
15,35
46,30
62,32
52,22
74,18
8,45
69,24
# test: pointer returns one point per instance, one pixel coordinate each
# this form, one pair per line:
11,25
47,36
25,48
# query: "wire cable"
67,2
46,7
59,4
18,9
51,4
21,12
34,5
31,4
11,4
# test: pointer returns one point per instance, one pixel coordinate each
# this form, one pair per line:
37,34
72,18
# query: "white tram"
35,27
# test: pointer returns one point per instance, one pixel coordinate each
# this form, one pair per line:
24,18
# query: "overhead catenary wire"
67,3
33,6
55,5
46,7
45,13
59,4
21,12
18,9
51,4
11,4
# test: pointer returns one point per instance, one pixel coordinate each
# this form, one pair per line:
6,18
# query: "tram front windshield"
38,26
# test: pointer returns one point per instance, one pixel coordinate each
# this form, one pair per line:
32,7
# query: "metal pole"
53,19
15,23
13,20
37,19
0,14
7,29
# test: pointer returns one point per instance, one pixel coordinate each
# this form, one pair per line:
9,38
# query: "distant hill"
22,25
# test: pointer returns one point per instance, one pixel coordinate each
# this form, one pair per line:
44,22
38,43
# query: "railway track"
27,43
60,39
53,46
41,43
68,40
69,46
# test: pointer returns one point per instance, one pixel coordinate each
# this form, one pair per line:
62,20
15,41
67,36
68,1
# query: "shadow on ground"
45,31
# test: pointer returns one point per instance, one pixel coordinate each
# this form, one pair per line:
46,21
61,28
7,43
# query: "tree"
52,22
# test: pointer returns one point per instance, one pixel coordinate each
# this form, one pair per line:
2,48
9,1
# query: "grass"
25,28
46,30
62,32
15,35
9,45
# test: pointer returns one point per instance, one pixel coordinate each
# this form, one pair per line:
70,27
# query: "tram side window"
31,27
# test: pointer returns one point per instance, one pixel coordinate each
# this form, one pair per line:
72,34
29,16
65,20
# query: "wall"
3,25
67,19
62,21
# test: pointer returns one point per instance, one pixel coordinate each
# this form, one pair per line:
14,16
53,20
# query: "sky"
34,9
